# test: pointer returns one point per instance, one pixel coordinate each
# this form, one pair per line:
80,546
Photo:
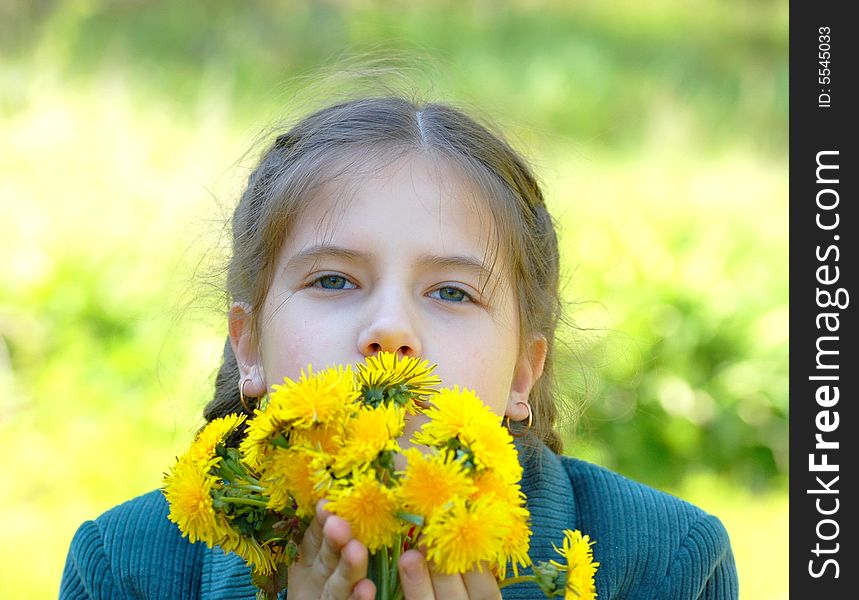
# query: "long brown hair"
343,136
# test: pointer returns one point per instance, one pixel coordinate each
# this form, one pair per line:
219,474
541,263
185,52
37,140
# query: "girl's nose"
390,328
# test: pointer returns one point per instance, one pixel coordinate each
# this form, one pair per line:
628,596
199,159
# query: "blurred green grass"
660,134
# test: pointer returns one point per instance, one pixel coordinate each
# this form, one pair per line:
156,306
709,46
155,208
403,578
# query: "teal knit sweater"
650,545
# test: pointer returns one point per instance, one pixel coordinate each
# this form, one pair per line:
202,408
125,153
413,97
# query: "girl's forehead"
409,209
421,194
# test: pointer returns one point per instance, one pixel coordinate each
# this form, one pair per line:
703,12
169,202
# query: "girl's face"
394,261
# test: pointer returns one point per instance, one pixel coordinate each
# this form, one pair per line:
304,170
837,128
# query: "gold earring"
242,394
528,426
530,415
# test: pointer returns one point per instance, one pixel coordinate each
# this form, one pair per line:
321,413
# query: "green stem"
513,580
247,487
373,572
385,573
397,591
248,501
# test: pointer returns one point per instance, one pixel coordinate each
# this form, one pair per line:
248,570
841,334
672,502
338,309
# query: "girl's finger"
363,590
351,570
312,540
481,584
310,543
336,534
449,586
414,576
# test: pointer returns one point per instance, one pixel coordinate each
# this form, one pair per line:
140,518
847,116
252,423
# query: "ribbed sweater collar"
551,502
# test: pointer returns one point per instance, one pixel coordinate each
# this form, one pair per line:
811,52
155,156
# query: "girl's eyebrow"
464,262
317,251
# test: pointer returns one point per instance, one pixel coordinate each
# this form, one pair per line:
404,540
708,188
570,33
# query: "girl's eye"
453,294
333,282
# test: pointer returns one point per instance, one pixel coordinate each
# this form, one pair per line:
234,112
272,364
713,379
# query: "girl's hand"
332,565
420,583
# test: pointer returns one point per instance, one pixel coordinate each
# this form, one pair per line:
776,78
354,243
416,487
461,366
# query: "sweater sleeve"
87,573
703,567
132,551
651,545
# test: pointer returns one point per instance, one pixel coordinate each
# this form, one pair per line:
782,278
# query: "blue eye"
453,294
331,282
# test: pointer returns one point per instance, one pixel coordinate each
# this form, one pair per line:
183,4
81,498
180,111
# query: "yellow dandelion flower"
515,541
387,371
493,449
517,533
263,558
461,415
370,508
368,433
491,483
452,411
465,536
580,566
430,482
295,474
322,397
272,556
215,432
188,489
262,428
314,405
324,438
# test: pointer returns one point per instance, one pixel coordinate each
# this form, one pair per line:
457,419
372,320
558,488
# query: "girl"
382,225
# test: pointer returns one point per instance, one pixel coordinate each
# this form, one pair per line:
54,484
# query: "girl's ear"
528,370
246,350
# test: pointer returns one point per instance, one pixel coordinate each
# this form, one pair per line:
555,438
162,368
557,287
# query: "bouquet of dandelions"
333,435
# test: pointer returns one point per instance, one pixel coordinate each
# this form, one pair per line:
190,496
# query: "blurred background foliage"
659,130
